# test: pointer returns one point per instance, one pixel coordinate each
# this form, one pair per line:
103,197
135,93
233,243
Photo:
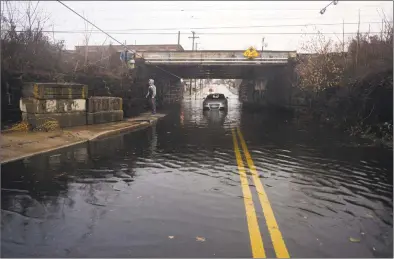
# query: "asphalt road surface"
212,184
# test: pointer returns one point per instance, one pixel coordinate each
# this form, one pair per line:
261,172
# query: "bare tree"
32,15
24,43
86,38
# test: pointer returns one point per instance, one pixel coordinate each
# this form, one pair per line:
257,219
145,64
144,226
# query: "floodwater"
173,190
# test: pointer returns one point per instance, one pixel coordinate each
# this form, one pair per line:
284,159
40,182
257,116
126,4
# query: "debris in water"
60,175
369,215
200,239
170,237
354,240
96,204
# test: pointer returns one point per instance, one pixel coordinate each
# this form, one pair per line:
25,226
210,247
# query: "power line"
249,26
252,18
215,9
279,33
114,38
208,33
222,27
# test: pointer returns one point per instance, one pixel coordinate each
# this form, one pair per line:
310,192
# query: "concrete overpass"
217,64
266,80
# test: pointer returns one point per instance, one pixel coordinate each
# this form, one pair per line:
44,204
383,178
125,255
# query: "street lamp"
322,11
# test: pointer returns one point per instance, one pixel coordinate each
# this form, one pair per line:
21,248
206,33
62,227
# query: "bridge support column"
272,89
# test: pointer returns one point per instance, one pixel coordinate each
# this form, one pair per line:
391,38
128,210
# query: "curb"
131,128
42,152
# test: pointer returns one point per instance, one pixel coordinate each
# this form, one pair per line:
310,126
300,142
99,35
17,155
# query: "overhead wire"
134,52
211,33
249,26
125,31
261,9
257,17
208,28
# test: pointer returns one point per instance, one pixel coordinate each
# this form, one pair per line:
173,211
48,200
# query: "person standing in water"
152,95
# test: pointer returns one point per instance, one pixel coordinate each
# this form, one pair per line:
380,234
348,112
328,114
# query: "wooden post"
179,37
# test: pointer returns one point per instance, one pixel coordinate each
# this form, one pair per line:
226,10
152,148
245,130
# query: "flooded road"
174,190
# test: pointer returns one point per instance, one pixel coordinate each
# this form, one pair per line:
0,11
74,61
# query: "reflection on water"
153,142
124,196
215,118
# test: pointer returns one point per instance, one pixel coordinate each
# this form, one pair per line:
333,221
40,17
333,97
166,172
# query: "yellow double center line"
253,225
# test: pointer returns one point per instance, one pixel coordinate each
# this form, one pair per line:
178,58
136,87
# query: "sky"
283,24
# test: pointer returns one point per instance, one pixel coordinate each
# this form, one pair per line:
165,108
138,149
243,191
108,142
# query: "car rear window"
216,97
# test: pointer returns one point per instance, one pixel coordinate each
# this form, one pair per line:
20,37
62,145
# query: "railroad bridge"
217,64
265,80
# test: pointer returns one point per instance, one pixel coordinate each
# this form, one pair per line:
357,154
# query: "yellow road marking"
256,240
273,228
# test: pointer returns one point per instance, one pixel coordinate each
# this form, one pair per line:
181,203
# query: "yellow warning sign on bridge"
251,53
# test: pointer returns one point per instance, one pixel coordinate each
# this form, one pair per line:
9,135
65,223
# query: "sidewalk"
18,145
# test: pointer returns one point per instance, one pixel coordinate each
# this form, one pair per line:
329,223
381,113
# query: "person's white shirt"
152,88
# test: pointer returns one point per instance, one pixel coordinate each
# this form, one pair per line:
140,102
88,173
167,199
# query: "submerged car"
215,101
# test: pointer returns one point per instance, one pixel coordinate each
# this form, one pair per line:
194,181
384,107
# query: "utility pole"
194,37
263,44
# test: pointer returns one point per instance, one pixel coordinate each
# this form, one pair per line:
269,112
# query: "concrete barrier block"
104,117
98,104
68,119
31,105
54,91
